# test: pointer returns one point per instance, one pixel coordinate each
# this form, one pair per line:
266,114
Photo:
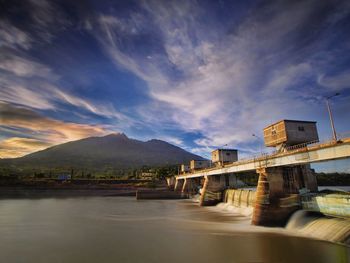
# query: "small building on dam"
221,156
287,133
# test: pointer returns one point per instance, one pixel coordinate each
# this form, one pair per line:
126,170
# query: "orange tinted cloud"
46,131
15,147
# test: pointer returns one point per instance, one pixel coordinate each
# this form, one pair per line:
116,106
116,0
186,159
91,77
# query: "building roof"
289,121
225,149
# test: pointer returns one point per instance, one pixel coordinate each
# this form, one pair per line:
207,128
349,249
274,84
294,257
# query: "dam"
286,182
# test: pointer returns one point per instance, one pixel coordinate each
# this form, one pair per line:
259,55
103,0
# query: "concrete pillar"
171,183
277,193
203,191
185,185
310,178
178,184
212,190
262,200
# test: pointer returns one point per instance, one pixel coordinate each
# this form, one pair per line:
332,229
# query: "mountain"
115,151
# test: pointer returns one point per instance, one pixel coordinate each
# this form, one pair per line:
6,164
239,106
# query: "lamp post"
331,115
222,155
256,136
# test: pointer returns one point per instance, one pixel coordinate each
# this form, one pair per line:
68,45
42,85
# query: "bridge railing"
300,146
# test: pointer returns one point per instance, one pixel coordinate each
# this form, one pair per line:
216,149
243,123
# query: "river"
121,229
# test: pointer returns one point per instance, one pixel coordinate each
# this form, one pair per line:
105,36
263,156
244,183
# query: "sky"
198,74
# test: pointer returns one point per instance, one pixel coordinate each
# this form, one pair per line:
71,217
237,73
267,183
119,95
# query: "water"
335,188
121,229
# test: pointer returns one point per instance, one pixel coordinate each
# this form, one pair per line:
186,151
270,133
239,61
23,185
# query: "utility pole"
256,136
222,155
261,153
331,115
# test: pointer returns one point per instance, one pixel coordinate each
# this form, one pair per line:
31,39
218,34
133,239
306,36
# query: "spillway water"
121,229
319,226
304,223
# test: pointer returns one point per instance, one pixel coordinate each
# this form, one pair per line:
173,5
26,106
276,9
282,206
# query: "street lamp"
256,136
331,115
222,155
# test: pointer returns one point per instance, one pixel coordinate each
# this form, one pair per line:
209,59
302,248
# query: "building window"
273,131
228,154
301,128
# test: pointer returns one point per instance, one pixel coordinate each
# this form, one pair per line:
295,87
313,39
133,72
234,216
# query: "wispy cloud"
11,36
33,85
22,67
336,82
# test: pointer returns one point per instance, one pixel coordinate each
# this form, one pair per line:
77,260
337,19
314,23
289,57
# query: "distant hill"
115,151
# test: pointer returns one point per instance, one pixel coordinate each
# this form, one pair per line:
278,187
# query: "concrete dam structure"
285,176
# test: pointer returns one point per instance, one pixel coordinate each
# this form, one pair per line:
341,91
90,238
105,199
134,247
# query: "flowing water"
121,229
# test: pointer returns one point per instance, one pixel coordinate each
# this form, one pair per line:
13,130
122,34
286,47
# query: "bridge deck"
308,154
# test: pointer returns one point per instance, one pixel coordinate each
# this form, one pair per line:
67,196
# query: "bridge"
296,155
282,175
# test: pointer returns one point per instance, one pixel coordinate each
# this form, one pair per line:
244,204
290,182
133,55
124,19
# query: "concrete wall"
275,134
239,197
300,132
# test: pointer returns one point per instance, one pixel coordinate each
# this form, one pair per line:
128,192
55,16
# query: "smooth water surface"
121,229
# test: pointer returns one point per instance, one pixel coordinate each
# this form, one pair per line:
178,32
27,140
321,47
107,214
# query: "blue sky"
198,74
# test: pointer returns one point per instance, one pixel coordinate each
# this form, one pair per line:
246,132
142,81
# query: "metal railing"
300,146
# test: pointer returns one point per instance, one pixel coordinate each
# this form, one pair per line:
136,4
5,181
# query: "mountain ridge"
113,151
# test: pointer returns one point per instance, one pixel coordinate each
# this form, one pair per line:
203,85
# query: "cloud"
16,147
23,67
43,19
42,129
209,69
227,83
111,30
336,82
33,85
173,140
11,36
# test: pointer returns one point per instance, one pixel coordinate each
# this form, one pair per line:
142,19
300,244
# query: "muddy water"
121,229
